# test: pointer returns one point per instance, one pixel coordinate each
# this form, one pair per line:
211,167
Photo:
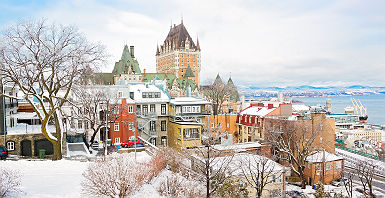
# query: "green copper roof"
184,83
126,64
162,76
189,73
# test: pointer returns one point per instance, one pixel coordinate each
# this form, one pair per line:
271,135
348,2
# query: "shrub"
10,181
117,175
177,186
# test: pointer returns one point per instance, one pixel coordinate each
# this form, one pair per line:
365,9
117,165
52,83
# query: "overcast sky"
264,43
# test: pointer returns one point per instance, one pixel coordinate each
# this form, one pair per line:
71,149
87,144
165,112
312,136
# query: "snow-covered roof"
187,101
22,128
300,108
237,147
139,88
257,111
24,115
319,157
240,160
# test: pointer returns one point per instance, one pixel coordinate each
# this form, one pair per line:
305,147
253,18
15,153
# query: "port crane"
363,116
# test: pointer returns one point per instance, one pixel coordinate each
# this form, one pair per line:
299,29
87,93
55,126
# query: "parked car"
138,145
129,143
339,182
3,152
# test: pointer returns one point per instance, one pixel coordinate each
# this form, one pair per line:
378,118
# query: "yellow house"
185,123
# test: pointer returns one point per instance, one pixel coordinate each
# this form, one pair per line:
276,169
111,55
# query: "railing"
361,153
146,115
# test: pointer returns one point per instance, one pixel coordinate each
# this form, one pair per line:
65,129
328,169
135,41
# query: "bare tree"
44,61
258,171
293,140
213,166
347,179
216,93
365,171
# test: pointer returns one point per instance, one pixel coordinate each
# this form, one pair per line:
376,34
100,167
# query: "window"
144,95
130,109
163,125
145,109
191,133
212,125
130,126
152,108
338,165
117,140
163,140
163,109
328,166
116,109
11,145
132,95
86,125
152,125
138,109
120,94
157,94
318,167
80,124
116,127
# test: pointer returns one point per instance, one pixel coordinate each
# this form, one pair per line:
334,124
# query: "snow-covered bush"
117,175
178,186
157,164
10,181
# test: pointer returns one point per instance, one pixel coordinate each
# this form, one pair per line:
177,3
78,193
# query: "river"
375,105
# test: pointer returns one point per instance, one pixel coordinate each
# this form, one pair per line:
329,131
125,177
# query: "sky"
259,43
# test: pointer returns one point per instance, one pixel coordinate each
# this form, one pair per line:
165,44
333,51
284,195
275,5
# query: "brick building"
179,55
123,116
323,167
250,121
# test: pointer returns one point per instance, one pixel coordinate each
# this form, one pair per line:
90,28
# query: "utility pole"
106,132
323,167
133,130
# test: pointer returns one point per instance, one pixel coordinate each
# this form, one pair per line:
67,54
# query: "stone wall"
33,138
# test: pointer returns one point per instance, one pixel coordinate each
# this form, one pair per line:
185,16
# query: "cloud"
260,42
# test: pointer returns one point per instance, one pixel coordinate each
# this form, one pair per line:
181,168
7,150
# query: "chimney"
132,51
270,106
144,72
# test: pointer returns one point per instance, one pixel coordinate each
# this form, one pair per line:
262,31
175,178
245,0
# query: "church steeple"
157,50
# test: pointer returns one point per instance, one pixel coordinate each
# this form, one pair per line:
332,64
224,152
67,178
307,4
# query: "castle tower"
179,54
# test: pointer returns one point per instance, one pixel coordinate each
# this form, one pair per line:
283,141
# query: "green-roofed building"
127,68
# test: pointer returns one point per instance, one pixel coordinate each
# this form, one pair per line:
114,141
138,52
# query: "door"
26,149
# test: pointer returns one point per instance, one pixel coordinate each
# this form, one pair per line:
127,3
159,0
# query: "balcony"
146,115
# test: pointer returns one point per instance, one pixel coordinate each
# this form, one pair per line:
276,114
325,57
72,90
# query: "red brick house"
123,121
323,167
250,121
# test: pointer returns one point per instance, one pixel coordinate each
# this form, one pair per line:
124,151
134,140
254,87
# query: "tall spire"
198,46
157,49
218,80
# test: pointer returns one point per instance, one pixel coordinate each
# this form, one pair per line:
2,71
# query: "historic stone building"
179,55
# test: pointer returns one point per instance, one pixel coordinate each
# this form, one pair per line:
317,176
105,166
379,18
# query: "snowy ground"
41,179
309,192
